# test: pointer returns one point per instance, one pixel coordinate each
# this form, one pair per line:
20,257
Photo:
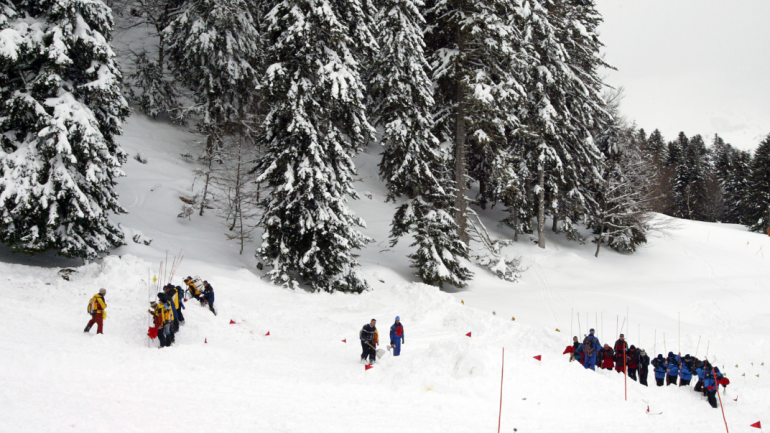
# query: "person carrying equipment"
168,319
96,308
685,374
194,291
208,295
590,346
397,336
368,336
659,364
157,312
672,368
644,365
173,298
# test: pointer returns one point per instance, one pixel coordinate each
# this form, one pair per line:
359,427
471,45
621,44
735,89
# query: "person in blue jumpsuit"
397,336
590,346
659,364
672,368
711,378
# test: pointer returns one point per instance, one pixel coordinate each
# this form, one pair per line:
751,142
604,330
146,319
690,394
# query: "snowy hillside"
303,377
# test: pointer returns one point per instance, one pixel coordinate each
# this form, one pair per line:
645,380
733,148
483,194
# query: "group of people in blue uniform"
590,353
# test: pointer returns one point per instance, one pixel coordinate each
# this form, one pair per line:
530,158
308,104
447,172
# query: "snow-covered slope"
303,377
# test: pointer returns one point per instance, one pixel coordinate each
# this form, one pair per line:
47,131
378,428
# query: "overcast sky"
698,66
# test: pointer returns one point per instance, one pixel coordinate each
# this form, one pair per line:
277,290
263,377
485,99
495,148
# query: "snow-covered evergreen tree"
562,107
758,200
316,122
737,188
690,193
472,48
150,88
61,110
412,162
214,47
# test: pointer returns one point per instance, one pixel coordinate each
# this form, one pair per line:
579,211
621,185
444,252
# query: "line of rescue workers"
633,361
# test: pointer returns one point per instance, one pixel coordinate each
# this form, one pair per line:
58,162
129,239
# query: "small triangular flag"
757,375
648,409
462,302
205,340
367,367
736,365
538,357
736,399
268,334
744,375
513,319
763,363
468,334
232,322
345,340
557,330
757,425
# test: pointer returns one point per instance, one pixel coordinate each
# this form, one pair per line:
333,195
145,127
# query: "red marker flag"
757,425
152,333
345,340
569,349
205,340
538,357
648,409
736,399
268,334
468,334
232,322
367,367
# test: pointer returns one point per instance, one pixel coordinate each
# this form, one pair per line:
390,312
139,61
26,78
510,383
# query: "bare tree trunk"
210,154
460,203
516,228
541,206
600,239
555,226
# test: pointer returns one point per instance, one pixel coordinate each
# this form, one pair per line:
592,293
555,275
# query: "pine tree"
315,124
412,163
61,111
214,47
758,200
690,192
563,106
737,188
472,49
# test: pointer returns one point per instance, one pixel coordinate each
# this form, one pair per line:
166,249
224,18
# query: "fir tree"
315,124
758,201
472,48
61,111
412,163
737,188
563,106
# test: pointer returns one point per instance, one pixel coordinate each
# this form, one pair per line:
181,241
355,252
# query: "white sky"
698,66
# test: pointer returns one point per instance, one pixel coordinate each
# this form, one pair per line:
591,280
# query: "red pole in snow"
716,385
500,414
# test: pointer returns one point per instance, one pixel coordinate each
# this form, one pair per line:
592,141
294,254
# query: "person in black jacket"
632,361
368,341
208,295
644,364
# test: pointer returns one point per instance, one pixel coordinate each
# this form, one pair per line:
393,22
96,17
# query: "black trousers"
163,336
179,313
643,377
671,379
712,395
211,307
368,351
683,382
632,373
699,386
659,382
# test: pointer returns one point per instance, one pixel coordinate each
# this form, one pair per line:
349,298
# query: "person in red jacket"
632,361
620,353
607,355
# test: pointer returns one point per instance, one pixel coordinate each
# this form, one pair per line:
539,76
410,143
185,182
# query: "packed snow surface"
222,377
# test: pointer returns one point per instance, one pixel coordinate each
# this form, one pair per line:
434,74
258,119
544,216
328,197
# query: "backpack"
90,303
588,345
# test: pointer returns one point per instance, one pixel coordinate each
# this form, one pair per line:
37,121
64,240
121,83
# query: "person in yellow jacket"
168,317
161,316
195,292
97,309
